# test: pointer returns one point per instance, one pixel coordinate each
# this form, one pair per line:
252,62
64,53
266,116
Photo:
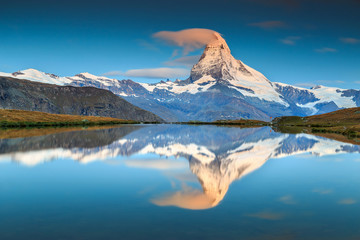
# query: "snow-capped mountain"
38,76
319,99
218,65
219,87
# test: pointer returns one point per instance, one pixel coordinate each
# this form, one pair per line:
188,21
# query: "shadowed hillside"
88,101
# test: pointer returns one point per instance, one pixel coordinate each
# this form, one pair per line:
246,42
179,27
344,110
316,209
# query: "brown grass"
349,116
33,132
342,125
33,116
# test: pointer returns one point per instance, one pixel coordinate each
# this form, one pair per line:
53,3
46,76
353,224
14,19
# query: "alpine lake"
170,181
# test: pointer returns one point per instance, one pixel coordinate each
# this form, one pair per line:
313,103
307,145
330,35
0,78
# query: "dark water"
179,182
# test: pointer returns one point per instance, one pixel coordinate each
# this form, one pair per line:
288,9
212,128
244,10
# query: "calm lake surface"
178,182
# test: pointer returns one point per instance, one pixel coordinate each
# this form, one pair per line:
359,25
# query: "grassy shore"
344,122
241,122
6,133
21,118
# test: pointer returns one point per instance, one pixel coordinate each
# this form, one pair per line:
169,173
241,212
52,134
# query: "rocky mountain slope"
219,87
89,101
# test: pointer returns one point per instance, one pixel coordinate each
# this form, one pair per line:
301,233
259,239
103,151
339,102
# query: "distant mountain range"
89,101
219,87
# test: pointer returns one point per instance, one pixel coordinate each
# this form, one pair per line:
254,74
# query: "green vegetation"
345,122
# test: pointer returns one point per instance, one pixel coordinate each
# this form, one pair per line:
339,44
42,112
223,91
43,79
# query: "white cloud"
347,201
187,61
329,81
323,191
325,50
350,40
158,73
290,40
287,199
189,39
268,25
161,73
159,164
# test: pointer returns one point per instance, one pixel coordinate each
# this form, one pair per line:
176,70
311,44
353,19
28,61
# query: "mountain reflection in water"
216,156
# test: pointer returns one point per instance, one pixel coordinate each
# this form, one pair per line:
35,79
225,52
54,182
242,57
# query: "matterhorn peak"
217,63
218,66
218,42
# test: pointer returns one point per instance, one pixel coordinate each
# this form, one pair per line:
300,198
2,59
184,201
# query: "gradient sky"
301,42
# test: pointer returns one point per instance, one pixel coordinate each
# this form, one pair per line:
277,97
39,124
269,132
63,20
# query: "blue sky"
292,41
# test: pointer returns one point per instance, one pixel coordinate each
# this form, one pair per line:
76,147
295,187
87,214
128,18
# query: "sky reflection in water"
138,182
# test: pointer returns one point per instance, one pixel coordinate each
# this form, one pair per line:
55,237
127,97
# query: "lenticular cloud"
189,39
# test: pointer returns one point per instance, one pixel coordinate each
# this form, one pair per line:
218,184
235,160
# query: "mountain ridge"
219,87
88,101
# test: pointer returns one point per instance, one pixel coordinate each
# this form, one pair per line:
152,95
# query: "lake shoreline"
21,132
339,123
12,118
